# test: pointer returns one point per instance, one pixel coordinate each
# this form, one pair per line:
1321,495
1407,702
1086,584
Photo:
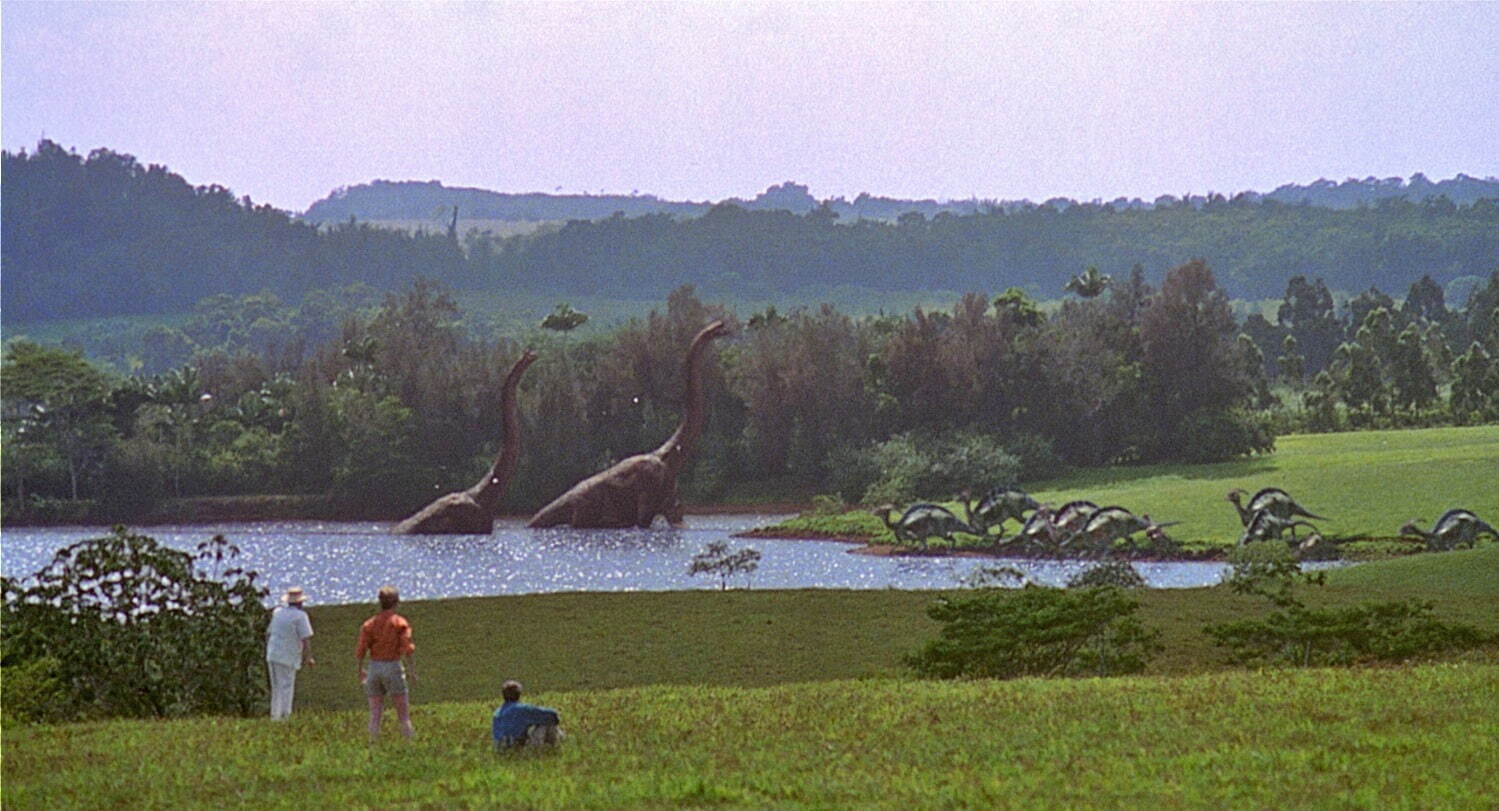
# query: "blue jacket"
513,718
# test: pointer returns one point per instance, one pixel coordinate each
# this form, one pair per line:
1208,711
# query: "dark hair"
511,690
389,597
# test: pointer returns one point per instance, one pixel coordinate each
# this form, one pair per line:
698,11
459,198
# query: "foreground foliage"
992,633
123,626
1295,633
1426,737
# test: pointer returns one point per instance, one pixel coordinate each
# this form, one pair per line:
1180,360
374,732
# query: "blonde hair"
389,597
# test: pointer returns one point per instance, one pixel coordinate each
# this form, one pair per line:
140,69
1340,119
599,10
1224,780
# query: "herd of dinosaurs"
632,492
1082,527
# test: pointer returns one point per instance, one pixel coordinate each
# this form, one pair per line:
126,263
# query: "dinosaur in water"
471,511
635,490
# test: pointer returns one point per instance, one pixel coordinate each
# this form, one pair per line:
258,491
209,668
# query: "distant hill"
102,235
425,200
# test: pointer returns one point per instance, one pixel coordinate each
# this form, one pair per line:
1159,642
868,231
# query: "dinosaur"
1071,517
998,506
1112,523
471,511
1265,525
1274,499
1040,529
1455,528
924,521
635,490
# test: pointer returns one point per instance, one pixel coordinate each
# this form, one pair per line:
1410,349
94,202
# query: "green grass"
798,698
1420,737
467,647
1367,483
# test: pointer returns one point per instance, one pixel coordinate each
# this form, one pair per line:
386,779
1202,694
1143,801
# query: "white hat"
294,596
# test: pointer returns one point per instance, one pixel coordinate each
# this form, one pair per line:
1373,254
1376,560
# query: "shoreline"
863,546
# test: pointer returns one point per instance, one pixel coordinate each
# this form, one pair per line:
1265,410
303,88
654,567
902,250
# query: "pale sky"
286,101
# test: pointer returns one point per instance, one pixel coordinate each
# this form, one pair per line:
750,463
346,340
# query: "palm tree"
1089,284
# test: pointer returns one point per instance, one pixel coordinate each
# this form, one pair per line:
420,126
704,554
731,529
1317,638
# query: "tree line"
401,403
101,234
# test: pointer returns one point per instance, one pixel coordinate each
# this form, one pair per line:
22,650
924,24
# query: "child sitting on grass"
518,724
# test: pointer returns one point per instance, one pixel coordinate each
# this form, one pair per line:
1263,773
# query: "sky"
287,101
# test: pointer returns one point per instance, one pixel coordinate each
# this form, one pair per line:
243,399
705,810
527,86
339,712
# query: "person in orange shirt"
386,638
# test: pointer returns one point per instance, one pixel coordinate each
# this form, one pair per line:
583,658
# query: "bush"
138,629
911,466
1037,457
1117,573
32,691
1035,631
1215,435
1297,635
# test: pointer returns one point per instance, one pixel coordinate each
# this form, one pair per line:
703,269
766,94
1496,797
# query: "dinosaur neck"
1244,514
683,442
487,491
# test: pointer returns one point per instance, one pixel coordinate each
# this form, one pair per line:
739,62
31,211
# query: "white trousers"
283,684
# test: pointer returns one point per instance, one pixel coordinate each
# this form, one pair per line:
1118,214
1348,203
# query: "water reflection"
348,562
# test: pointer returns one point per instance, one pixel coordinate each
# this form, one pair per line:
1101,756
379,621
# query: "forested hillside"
104,235
417,200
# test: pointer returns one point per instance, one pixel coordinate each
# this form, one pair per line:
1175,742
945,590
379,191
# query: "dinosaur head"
1235,495
717,329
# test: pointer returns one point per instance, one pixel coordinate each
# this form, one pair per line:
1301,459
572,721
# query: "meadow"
800,698
1418,737
1367,484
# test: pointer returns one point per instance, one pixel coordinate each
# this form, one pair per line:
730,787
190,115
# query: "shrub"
1215,435
139,629
1037,457
717,560
1035,631
1297,635
1117,573
32,691
828,505
910,466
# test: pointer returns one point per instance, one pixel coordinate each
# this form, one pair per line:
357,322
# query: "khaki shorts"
385,678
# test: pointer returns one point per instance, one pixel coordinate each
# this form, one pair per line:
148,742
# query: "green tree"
60,401
129,627
1411,372
1474,382
1291,362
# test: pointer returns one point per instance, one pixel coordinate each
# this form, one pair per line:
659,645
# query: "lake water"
345,562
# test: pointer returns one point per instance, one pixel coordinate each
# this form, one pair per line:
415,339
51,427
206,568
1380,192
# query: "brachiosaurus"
471,511
635,490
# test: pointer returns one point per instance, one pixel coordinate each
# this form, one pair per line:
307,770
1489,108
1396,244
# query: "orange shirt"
385,636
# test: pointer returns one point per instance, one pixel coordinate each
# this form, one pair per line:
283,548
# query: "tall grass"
1421,737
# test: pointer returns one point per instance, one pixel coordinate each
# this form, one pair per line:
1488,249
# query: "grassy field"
1367,483
797,698
1421,737
567,642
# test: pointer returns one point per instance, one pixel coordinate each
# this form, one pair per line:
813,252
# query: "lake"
346,562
